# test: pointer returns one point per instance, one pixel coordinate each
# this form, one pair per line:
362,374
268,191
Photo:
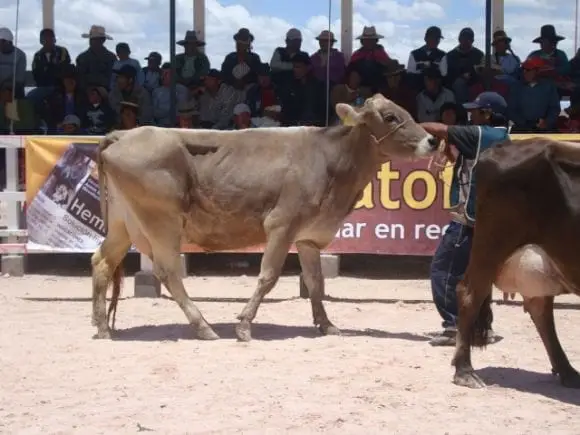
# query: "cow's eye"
390,118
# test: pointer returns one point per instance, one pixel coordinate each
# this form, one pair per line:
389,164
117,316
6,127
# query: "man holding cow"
489,127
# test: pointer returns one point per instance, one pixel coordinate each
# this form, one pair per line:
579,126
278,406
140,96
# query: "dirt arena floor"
380,376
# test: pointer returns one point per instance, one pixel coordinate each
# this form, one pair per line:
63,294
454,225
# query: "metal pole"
576,27
173,85
488,4
48,14
199,19
346,28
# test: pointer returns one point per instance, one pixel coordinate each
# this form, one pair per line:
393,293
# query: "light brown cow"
226,190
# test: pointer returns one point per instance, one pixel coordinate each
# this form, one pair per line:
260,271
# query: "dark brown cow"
525,241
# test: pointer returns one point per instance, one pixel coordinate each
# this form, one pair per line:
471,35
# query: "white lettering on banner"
79,209
392,231
431,231
351,231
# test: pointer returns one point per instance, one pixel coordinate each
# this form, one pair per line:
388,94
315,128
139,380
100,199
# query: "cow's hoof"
329,330
103,334
243,331
206,333
570,380
468,379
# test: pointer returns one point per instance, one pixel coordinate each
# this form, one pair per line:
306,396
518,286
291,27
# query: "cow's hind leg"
167,267
309,255
104,262
275,253
541,310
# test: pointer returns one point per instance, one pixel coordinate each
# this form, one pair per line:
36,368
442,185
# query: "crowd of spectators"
103,90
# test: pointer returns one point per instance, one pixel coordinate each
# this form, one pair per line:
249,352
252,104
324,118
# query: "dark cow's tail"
482,318
482,325
117,281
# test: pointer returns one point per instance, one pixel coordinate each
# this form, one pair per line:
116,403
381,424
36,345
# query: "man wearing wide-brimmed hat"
433,96
328,55
504,55
192,64
240,67
370,58
549,50
427,55
95,65
396,87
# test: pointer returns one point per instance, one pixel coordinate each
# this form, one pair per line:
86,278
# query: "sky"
144,24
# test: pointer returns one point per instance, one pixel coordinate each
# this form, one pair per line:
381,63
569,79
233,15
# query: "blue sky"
144,23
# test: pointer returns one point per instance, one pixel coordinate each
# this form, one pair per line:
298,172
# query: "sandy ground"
381,376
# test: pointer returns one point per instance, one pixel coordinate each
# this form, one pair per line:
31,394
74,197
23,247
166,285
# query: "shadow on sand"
525,381
260,331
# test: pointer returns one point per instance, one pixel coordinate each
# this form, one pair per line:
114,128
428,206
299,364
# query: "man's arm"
464,137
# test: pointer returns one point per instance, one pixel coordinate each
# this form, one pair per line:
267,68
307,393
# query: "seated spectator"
66,99
95,65
98,118
128,90
192,64
461,62
397,88
70,125
433,96
162,97
188,114
281,64
490,76
371,58
270,118
328,56
47,65
550,52
534,103
129,115
569,119
240,68
426,56
452,114
505,57
304,100
9,56
152,72
123,58
350,92
263,93
217,102
242,117
17,115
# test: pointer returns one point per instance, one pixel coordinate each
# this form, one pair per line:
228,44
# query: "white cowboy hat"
370,33
96,32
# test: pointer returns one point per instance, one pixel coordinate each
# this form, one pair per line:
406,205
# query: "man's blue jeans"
447,269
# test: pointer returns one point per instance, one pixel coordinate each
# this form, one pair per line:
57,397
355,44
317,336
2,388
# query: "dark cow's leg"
275,253
309,255
542,312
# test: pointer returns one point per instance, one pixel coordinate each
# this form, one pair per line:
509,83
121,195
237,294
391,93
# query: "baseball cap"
488,100
122,46
214,73
241,108
71,120
154,55
6,34
467,32
434,32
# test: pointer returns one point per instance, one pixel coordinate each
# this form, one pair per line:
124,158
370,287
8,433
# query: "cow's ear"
347,114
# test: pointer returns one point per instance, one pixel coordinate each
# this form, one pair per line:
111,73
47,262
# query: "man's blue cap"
488,100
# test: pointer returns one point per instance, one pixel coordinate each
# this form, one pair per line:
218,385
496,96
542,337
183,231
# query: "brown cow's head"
391,128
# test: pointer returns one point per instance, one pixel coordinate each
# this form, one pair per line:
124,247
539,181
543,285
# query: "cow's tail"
117,281
482,318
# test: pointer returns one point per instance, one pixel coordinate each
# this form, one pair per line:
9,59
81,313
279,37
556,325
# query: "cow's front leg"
275,253
541,310
309,255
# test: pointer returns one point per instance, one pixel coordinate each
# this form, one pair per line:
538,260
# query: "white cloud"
144,24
